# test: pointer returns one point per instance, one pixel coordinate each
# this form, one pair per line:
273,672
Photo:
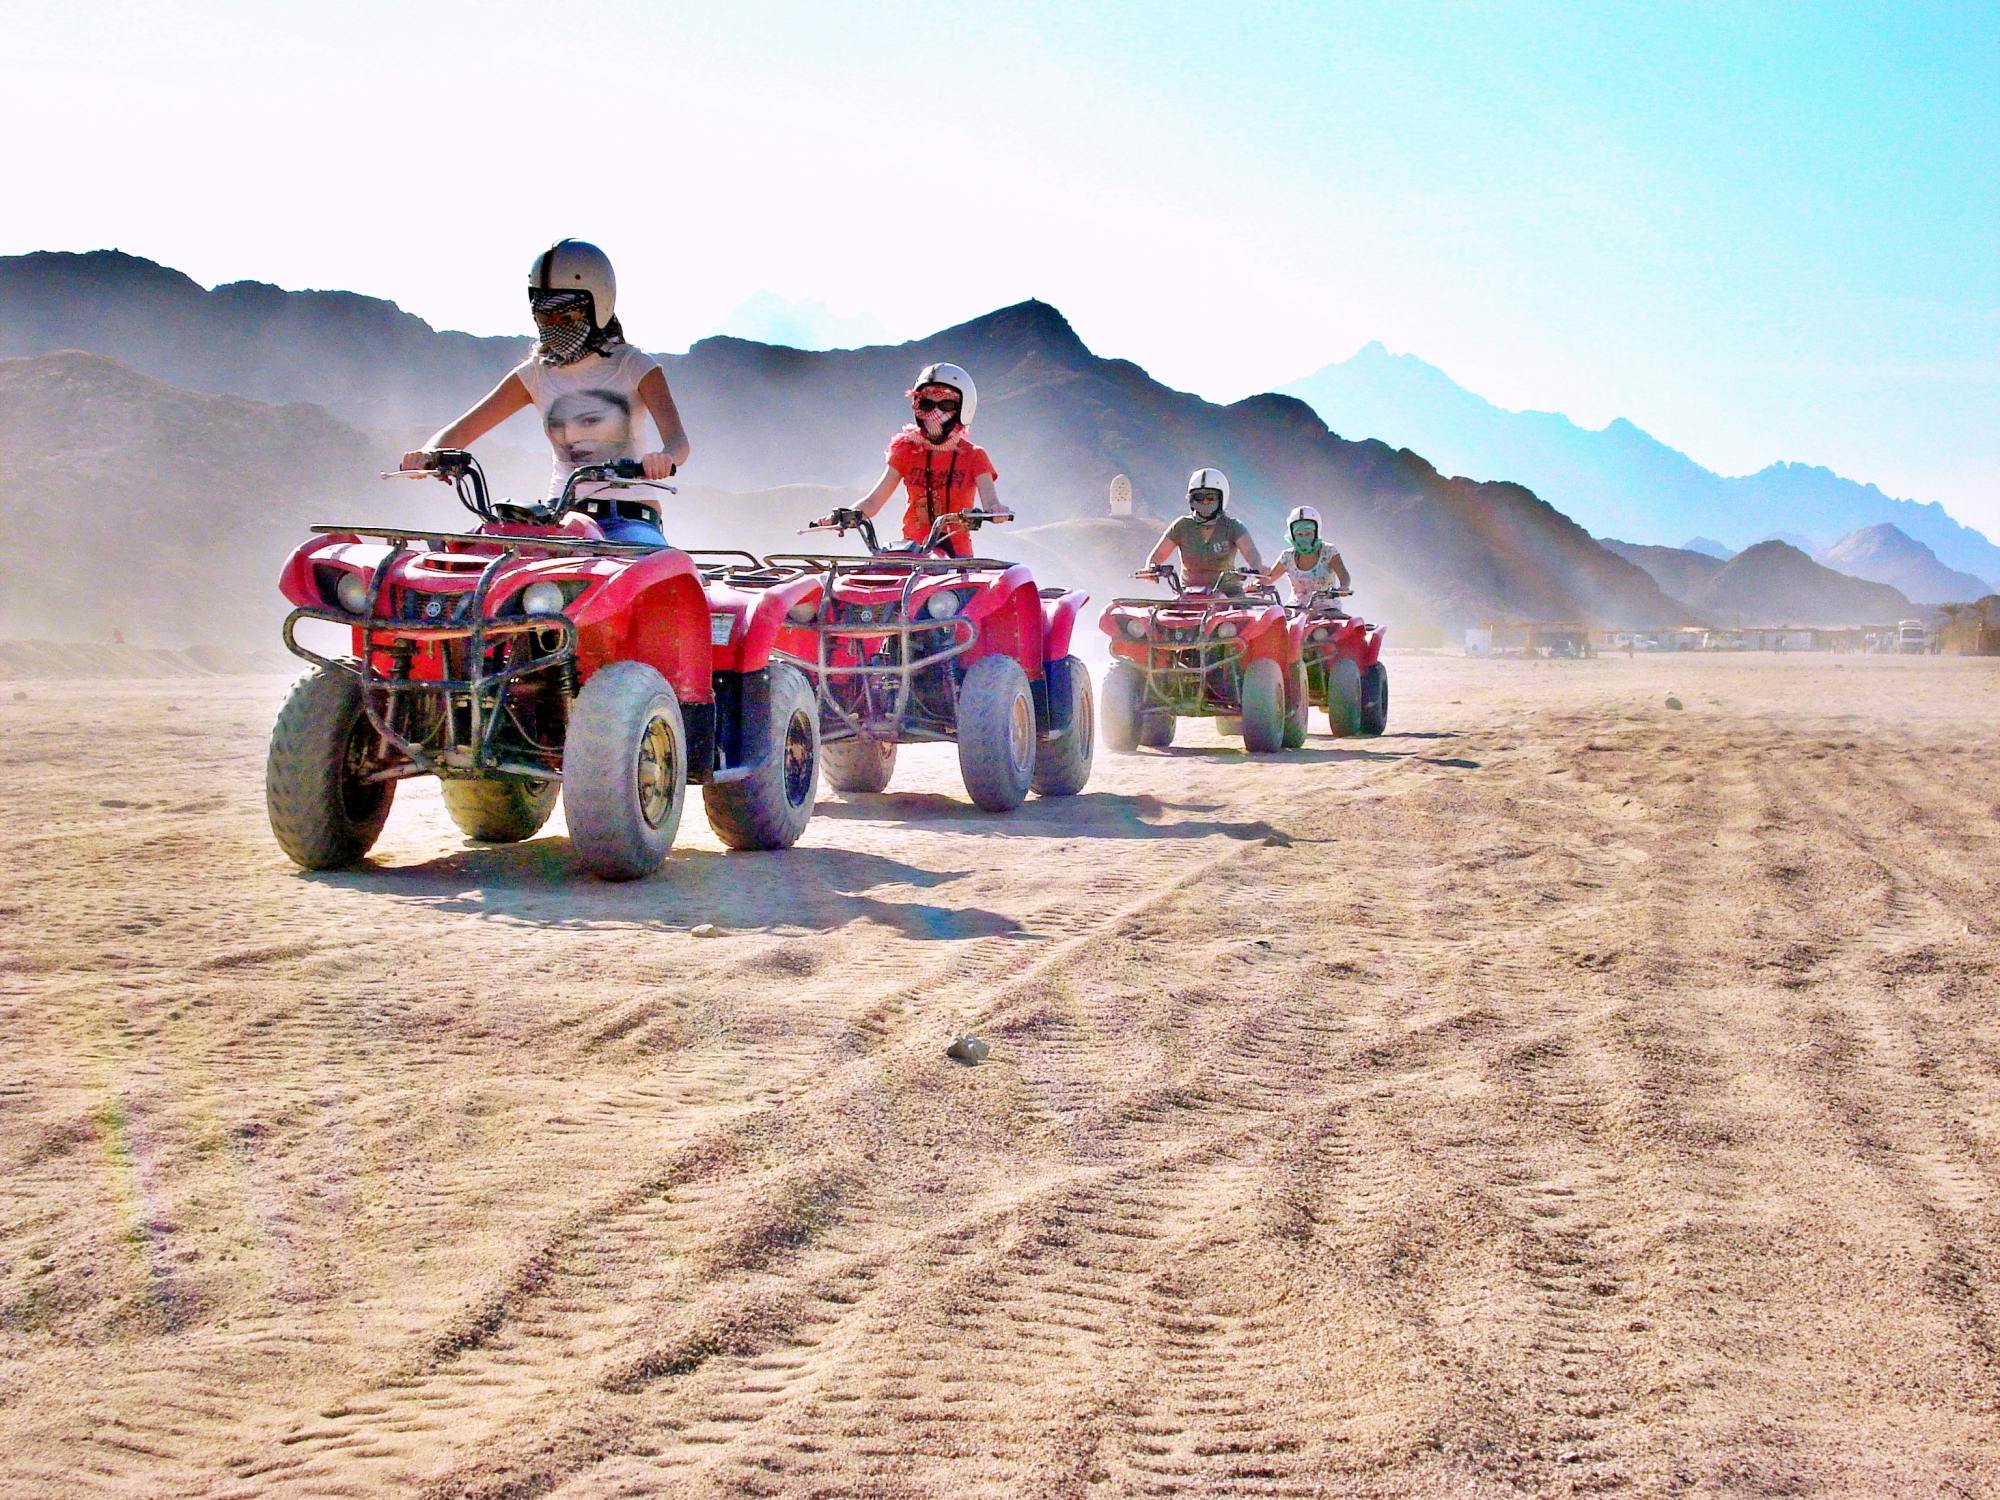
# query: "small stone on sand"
705,929
1672,701
967,1049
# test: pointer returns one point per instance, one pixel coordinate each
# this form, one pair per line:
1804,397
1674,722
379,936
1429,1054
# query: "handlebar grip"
629,468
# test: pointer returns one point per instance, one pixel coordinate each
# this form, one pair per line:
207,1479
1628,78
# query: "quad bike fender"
1008,613
1268,633
654,611
760,617
1371,647
298,581
1059,616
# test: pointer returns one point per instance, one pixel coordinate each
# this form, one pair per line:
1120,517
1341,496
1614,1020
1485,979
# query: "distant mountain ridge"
1884,554
1060,420
1620,481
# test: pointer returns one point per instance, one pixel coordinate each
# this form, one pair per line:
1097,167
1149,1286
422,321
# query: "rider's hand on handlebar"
658,466
841,518
419,460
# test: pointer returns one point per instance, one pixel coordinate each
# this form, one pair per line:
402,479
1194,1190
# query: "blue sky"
1760,231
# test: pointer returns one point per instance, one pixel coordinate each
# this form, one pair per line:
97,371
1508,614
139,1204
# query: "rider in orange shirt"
935,461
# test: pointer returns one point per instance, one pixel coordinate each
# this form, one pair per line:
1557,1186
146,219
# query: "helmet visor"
1204,497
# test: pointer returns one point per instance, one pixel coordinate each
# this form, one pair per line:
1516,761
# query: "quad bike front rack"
482,692
887,677
1179,666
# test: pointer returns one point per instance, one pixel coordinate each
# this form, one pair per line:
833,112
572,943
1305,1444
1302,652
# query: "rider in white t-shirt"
593,390
1309,563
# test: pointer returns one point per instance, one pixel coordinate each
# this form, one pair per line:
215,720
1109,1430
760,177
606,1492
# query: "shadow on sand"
540,883
1089,815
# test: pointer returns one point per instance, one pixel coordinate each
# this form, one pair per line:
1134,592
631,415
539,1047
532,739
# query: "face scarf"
1305,539
561,340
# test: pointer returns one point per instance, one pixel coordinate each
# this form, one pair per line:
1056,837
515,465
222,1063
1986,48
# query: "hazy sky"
1759,231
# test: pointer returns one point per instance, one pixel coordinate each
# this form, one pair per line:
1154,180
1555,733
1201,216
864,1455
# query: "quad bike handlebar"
462,471
846,518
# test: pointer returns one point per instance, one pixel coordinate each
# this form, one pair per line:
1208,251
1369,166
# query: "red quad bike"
1345,674
1227,652
912,644
528,655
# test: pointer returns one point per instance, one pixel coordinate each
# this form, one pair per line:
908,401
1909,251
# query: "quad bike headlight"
1226,631
1135,628
804,612
352,592
1318,633
942,605
542,599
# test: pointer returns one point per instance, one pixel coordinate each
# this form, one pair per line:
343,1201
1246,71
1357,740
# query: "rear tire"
1062,766
625,771
323,814
1263,707
1296,707
858,765
1124,693
1374,714
996,733
1343,696
1156,729
502,810
768,809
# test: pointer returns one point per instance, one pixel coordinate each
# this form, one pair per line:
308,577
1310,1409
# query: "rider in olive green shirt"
1208,539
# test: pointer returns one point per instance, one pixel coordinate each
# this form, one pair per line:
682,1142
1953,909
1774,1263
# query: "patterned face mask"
563,328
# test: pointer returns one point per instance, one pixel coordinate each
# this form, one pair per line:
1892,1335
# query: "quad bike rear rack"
482,692
894,669
1175,670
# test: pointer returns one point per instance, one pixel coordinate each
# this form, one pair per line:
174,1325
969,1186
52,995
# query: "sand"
1563,1094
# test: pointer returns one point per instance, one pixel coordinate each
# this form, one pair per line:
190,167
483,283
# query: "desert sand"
1564,1094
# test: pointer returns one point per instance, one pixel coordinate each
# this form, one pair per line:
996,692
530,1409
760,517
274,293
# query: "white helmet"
1301,513
577,266
1210,479
958,380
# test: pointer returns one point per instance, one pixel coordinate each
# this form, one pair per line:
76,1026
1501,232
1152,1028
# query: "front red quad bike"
911,644
1345,673
1227,652
526,656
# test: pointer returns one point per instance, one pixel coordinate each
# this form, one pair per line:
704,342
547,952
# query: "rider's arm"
989,497
493,408
878,497
674,446
1340,571
1165,548
1248,548
1277,569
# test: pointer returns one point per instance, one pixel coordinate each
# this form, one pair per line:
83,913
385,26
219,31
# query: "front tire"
1374,714
1343,696
768,809
1124,694
858,765
1263,707
996,733
1296,707
625,771
502,810
323,812
1156,728
1062,765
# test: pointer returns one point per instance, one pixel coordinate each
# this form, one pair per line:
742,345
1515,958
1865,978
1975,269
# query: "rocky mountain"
1774,583
1060,420
1619,481
1679,571
1884,554
129,506
1708,547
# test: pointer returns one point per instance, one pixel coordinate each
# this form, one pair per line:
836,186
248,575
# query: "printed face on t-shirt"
589,427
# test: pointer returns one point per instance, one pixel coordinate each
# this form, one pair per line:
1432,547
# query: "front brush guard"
1171,682
482,691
